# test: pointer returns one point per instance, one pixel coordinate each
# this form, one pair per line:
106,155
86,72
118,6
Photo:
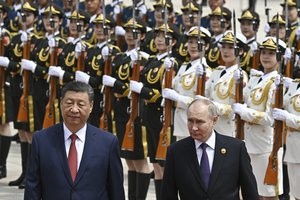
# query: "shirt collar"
250,40
195,62
160,56
17,7
100,45
130,51
92,18
231,68
139,4
80,134
269,75
41,10
51,35
218,37
211,142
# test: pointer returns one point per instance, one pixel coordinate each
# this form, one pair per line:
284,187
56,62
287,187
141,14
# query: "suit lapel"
193,159
62,153
88,148
218,161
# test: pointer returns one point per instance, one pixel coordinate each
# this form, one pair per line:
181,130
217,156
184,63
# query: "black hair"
78,87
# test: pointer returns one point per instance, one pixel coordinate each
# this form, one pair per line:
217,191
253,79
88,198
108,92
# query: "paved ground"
12,193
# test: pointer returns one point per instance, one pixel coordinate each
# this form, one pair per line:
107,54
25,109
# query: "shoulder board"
185,63
220,68
152,56
60,39
297,80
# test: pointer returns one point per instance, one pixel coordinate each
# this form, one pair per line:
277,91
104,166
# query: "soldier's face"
213,4
99,31
227,51
200,123
247,28
92,6
282,31
30,18
43,3
160,42
193,48
158,15
46,20
186,18
268,59
73,27
67,4
130,41
292,13
215,25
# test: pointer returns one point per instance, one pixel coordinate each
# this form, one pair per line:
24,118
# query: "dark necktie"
298,86
204,165
259,80
188,66
72,157
222,73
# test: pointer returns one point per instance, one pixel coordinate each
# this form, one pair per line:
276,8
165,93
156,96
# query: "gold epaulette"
296,80
115,47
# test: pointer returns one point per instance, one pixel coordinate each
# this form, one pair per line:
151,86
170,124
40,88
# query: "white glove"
117,9
51,42
254,72
287,81
280,114
267,28
143,10
108,80
4,61
201,97
288,53
56,71
82,77
24,36
277,80
113,3
237,74
136,86
78,47
253,48
105,52
28,65
239,108
119,30
170,94
134,56
168,63
199,70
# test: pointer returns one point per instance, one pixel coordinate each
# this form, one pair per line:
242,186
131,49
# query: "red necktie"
73,157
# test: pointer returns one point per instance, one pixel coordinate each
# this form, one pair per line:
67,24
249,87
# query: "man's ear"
91,106
173,42
215,119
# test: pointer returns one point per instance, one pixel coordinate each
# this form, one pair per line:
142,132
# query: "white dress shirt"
210,150
79,143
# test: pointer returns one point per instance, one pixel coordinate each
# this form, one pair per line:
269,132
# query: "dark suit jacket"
231,170
100,175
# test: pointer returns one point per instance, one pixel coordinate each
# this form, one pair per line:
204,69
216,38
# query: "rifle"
106,103
50,118
165,133
23,107
222,24
256,55
201,79
267,10
238,86
272,169
2,72
81,57
128,141
288,62
120,39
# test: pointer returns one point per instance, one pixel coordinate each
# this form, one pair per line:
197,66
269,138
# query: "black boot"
24,153
142,185
4,149
22,185
157,184
131,185
286,186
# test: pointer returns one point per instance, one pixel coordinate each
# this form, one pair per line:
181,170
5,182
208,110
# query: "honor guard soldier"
28,15
220,88
291,117
185,82
220,21
148,45
6,115
282,29
123,71
292,13
39,27
149,88
67,62
249,27
39,63
257,114
93,7
94,62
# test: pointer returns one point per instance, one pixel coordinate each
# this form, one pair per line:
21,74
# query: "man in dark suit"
207,165
75,160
